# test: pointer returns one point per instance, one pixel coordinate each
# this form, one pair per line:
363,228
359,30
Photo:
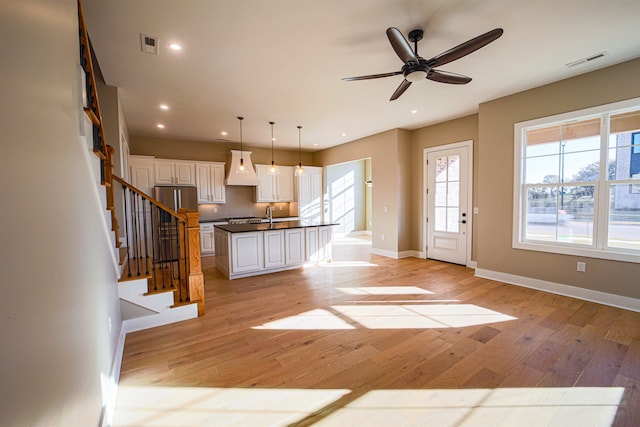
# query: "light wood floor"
372,341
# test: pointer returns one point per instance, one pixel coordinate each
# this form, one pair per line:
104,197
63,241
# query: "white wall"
345,189
60,318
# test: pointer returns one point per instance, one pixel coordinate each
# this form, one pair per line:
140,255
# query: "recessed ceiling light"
164,107
223,133
160,126
175,46
315,144
414,111
344,134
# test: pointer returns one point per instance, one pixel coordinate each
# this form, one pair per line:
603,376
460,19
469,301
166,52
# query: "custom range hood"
248,177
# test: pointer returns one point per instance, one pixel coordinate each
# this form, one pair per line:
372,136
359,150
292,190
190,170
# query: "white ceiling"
283,60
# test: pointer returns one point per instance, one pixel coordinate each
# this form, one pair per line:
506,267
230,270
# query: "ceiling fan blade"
448,77
465,48
400,90
401,46
373,76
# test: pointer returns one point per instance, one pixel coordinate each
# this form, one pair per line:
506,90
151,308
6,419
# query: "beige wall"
60,311
457,130
495,189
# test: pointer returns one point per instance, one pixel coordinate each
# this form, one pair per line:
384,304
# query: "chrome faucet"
269,213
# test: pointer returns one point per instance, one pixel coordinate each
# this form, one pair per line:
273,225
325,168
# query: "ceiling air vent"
588,59
149,44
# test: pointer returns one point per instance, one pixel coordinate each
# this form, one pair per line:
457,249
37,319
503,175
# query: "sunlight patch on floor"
317,319
205,406
390,316
521,407
385,290
420,316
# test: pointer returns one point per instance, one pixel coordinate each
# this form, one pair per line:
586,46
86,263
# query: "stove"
245,220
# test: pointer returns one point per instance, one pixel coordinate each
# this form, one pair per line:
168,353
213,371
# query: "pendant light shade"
299,169
241,167
274,169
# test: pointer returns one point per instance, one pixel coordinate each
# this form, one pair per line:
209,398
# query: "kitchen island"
244,250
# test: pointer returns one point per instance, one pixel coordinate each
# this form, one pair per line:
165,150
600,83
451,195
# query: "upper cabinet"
175,172
210,182
142,173
309,195
274,188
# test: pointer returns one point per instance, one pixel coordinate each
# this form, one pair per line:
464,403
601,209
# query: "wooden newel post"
195,278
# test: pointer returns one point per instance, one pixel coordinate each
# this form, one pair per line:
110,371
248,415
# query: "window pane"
542,170
441,219
454,168
452,220
624,157
582,166
441,169
624,216
453,194
441,194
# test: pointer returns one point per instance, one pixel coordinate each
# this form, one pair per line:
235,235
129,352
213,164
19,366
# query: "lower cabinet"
273,248
246,252
318,243
294,246
207,246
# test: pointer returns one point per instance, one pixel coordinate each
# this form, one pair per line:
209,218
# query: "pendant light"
241,167
274,169
299,169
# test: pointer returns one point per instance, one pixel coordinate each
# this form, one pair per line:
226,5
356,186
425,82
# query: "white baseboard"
359,233
613,300
472,264
397,255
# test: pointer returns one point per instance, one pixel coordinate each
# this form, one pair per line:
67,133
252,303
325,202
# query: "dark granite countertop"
265,226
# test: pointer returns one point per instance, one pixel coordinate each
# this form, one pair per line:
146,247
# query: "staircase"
158,258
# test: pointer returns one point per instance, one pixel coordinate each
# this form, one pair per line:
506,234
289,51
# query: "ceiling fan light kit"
416,68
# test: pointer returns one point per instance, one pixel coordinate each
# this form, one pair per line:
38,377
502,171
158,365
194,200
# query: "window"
577,183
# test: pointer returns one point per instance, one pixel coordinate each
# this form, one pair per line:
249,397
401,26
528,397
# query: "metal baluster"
178,262
135,231
153,247
163,250
146,240
126,232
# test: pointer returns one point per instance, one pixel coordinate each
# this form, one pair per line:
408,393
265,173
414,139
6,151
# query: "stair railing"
163,245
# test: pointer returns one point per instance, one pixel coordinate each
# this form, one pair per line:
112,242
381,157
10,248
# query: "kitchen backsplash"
240,201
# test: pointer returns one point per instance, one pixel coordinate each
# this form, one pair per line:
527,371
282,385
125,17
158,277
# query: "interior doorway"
448,181
348,197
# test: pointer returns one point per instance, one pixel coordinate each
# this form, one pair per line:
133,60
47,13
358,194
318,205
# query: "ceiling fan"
417,68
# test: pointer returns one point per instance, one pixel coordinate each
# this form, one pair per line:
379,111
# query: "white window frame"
601,210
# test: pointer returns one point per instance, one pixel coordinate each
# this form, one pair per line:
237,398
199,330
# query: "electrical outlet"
382,237
476,210
215,210
582,266
281,208
386,209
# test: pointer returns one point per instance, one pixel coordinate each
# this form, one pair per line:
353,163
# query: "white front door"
447,203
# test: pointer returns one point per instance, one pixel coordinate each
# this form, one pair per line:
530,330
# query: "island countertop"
265,226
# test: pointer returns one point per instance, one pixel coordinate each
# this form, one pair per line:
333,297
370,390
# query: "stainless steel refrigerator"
177,197
166,228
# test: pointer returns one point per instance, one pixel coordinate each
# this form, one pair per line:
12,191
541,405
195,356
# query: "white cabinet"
142,173
246,252
311,243
294,246
273,248
274,188
309,195
318,243
210,182
175,172
207,246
